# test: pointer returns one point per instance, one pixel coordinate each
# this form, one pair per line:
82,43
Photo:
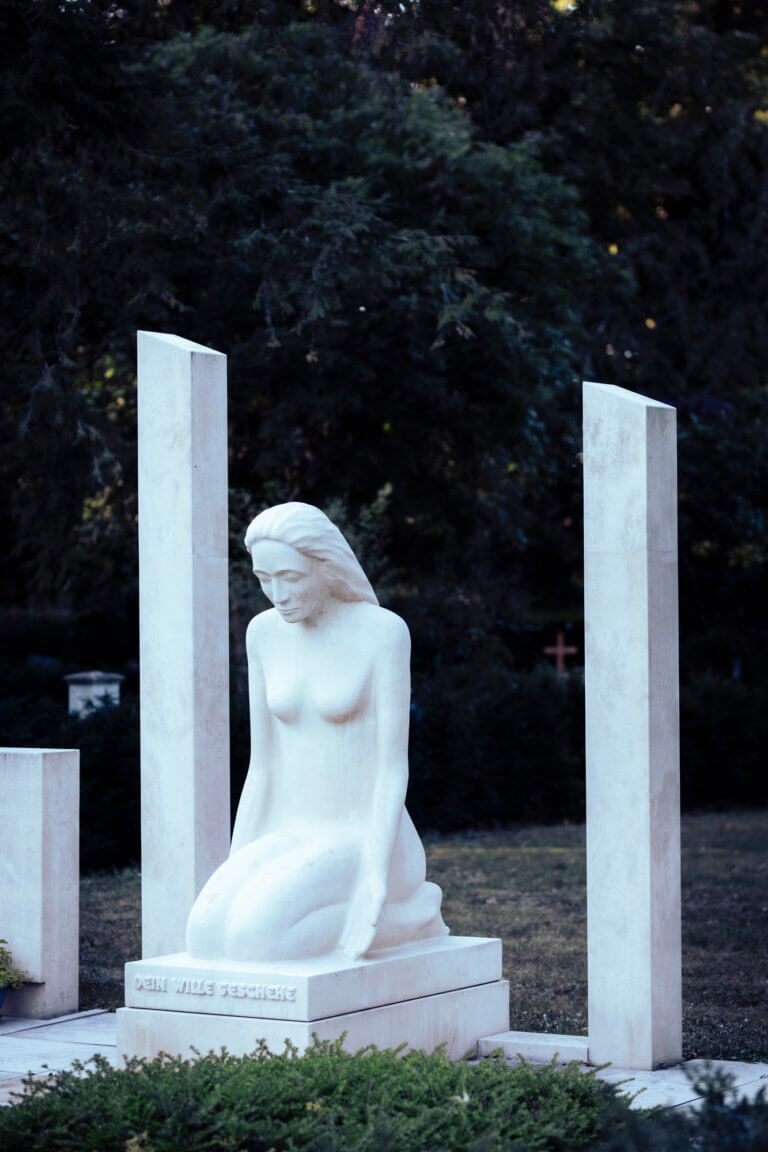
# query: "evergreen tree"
399,301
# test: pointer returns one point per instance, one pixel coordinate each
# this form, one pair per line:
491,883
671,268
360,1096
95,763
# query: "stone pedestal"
39,874
443,991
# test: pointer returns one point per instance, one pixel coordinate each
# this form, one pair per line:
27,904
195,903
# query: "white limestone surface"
324,856
42,1048
96,1027
679,1086
456,1019
312,989
39,876
536,1047
184,632
31,1053
632,722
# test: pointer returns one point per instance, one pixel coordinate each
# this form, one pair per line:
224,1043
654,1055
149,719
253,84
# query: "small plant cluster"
374,1101
11,977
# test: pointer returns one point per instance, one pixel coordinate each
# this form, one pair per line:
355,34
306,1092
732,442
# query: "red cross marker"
561,650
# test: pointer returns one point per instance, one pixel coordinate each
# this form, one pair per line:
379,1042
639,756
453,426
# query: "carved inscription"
152,983
259,991
195,986
192,986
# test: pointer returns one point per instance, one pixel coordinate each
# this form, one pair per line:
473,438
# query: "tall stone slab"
183,601
632,724
39,876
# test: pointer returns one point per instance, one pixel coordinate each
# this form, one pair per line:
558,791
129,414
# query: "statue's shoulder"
386,627
261,626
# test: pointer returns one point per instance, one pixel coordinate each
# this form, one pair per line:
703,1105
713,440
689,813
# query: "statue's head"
310,532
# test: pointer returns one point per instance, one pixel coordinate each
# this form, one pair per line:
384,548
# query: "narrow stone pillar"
39,876
632,723
184,646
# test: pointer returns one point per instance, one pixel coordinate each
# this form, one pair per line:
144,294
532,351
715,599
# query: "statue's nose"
280,592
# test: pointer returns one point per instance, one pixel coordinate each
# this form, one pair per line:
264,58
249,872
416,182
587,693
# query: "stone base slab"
45,999
456,1019
314,989
537,1047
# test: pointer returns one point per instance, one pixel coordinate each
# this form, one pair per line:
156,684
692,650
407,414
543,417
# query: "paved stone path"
45,1046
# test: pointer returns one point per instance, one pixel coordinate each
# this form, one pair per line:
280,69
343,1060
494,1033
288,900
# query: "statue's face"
291,581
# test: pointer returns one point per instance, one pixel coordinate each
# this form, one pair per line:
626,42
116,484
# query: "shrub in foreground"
329,1100
375,1101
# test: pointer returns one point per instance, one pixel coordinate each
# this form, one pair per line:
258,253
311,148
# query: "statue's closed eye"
289,577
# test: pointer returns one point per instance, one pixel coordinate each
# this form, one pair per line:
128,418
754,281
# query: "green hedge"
326,1101
376,1101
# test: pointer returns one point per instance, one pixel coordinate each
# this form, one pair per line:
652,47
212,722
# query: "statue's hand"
363,917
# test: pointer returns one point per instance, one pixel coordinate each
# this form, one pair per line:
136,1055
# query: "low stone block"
39,873
455,1019
537,1047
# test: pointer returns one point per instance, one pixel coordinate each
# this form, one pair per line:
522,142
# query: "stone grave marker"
632,729
560,650
632,781
184,633
39,877
632,717
87,691
308,927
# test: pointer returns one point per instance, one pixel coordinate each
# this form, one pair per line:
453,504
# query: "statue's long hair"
310,532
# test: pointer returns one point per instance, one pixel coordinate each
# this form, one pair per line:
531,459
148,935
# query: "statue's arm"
252,805
391,695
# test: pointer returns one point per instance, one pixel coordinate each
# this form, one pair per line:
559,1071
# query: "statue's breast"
284,696
299,695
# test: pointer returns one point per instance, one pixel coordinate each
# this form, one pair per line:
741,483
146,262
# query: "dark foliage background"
414,230
466,770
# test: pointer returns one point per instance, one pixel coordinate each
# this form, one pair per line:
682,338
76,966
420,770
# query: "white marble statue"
324,856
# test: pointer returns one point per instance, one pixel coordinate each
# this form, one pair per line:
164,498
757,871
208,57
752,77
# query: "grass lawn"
527,885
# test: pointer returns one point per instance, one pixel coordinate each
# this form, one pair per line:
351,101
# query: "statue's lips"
287,613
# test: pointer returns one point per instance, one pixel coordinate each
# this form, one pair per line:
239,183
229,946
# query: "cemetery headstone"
632,747
39,877
632,729
87,691
183,613
560,650
321,920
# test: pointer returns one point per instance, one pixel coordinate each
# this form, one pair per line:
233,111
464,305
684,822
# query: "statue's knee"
261,932
202,931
